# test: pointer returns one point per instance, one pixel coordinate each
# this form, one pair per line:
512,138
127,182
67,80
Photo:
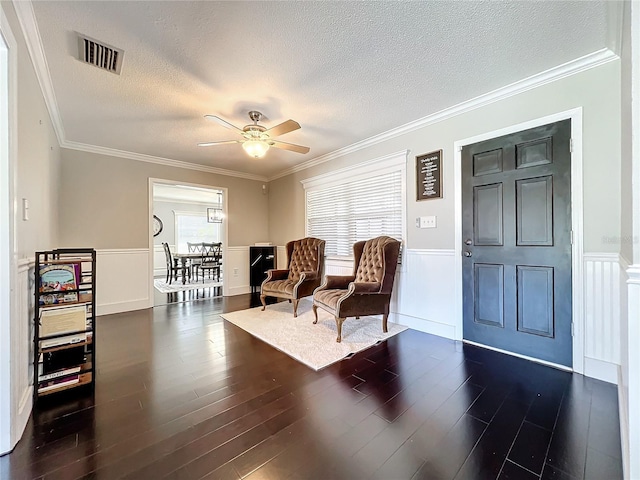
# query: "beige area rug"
313,345
177,286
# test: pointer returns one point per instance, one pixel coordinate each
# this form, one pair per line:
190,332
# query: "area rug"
177,286
313,345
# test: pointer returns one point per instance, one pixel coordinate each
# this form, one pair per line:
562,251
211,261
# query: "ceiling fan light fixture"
256,148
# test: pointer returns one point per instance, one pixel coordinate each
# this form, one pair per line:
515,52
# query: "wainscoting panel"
424,296
160,261
602,296
281,257
337,266
236,273
122,280
22,339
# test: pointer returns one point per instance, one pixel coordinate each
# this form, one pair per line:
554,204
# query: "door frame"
10,426
577,250
225,228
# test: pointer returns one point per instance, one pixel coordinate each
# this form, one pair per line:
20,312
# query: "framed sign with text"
429,175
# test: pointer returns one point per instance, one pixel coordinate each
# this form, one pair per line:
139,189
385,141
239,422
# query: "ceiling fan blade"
209,144
289,146
224,123
284,127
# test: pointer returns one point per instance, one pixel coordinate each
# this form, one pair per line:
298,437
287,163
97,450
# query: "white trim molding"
575,115
362,170
632,428
140,157
11,327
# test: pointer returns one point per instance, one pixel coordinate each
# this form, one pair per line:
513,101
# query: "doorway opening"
188,238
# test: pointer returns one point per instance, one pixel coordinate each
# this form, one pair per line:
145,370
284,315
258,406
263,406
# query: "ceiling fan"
257,138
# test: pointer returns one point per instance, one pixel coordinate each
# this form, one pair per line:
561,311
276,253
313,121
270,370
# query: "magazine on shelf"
57,383
71,319
42,377
57,280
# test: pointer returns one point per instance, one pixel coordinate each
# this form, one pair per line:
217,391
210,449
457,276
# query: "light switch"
428,222
25,209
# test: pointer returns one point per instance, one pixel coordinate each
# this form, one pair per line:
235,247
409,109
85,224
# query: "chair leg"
384,322
264,304
295,307
339,322
315,312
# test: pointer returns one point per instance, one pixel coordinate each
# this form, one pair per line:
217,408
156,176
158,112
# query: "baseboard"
119,307
240,290
623,410
601,370
424,325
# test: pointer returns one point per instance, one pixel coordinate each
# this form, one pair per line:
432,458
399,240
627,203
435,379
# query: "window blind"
359,210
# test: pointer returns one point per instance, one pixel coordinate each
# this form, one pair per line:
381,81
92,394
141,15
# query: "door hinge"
571,237
459,148
571,145
572,329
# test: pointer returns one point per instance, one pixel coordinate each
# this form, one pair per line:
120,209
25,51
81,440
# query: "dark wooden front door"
516,242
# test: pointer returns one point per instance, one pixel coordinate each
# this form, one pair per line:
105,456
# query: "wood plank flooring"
183,394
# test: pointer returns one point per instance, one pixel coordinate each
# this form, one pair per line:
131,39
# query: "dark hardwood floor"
183,394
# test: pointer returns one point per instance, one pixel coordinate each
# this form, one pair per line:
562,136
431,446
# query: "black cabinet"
261,259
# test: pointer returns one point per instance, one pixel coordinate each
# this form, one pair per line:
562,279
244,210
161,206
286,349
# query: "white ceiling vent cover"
100,54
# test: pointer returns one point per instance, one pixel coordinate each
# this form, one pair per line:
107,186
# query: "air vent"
100,54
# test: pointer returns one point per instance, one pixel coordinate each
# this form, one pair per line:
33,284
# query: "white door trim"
577,277
225,227
10,432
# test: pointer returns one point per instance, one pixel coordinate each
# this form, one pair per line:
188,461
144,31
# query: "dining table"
183,259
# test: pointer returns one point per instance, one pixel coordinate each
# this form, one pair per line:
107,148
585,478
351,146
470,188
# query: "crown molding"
140,157
578,65
27,19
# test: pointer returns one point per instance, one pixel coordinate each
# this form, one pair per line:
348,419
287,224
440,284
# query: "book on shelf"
64,340
60,320
42,377
57,383
57,280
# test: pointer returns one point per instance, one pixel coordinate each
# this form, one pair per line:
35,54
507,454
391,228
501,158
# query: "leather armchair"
368,290
305,264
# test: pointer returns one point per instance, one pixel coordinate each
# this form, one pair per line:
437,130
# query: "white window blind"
359,210
193,227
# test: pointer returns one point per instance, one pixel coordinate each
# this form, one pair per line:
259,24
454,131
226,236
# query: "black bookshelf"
64,354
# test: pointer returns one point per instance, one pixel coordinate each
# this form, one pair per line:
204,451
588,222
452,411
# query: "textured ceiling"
345,71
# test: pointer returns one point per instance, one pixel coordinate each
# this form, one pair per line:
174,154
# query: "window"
357,203
193,227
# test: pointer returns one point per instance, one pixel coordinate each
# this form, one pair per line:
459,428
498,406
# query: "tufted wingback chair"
305,264
368,290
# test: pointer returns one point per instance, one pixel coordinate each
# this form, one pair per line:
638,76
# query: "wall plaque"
429,175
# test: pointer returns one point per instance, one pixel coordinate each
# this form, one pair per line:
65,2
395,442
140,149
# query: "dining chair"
211,259
172,263
195,247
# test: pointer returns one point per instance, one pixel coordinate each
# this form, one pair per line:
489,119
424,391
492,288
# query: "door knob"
467,254
468,241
